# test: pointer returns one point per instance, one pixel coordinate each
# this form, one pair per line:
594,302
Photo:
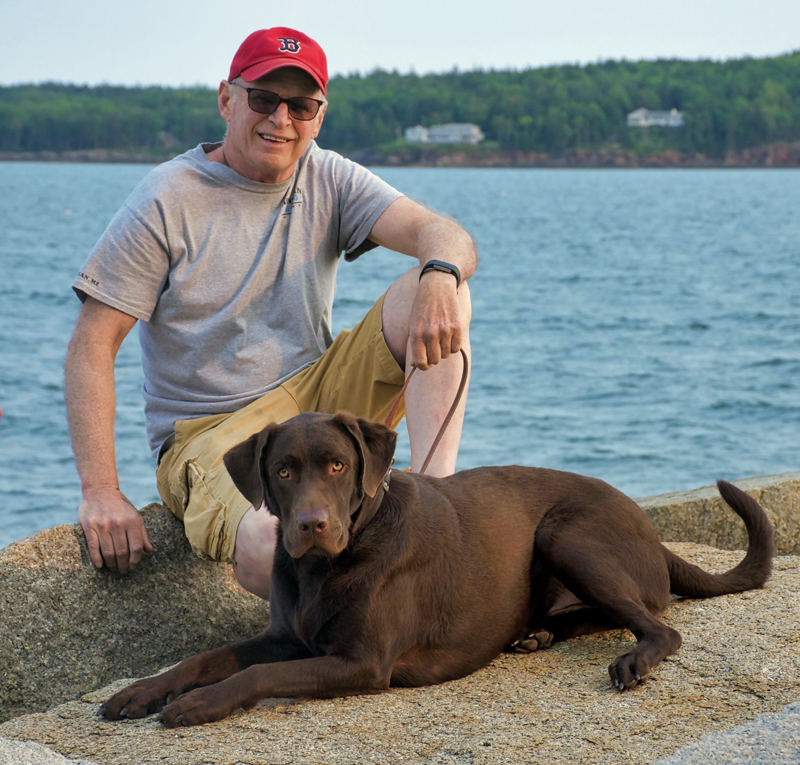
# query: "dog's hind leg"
556,613
622,582
554,628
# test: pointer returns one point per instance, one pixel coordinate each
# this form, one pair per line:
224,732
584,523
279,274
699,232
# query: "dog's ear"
375,446
244,463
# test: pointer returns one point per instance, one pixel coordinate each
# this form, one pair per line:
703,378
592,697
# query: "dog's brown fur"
446,575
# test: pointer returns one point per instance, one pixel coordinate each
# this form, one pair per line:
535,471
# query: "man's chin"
270,165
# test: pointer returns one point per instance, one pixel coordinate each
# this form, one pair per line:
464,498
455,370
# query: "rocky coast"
70,636
777,155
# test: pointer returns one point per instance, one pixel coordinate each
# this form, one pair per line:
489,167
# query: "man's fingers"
450,340
455,340
419,353
120,540
148,547
434,347
93,544
136,547
107,550
434,351
138,544
446,347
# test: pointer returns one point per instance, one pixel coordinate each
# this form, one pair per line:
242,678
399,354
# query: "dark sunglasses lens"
262,101
303,108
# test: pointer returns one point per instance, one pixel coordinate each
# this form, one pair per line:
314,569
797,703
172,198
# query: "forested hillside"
728,106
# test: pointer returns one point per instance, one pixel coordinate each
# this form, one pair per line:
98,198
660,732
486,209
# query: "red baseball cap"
269,49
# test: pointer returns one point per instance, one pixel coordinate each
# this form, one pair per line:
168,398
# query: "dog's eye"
283,473
338,466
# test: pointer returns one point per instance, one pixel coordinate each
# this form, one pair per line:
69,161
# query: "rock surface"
740,658
702,517
770,738
66,628
28,753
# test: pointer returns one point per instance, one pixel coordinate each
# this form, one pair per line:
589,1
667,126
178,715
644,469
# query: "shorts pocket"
203,513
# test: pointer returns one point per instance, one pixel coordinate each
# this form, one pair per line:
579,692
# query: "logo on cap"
289,45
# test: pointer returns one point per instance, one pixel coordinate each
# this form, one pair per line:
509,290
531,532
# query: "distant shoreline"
96,156
779,155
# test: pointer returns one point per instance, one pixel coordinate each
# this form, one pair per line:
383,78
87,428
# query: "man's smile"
273,138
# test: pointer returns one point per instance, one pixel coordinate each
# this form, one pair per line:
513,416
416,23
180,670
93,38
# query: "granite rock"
66,627
740,658
28,753
702,517
771,738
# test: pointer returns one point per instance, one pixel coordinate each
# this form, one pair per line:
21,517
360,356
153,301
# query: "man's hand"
435,329
114,530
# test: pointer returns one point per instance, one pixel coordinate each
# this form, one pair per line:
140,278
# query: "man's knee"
255,550
397,310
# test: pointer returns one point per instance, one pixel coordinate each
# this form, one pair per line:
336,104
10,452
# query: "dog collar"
365,515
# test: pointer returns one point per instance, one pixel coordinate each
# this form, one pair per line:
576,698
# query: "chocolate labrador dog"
383,578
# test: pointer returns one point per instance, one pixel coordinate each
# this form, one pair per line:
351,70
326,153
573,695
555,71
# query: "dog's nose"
312,521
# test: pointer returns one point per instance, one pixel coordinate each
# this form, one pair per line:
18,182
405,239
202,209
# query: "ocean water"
640,326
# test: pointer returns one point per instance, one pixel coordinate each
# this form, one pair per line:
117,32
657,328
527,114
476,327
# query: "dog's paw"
628,670
196,707
537,640
138,700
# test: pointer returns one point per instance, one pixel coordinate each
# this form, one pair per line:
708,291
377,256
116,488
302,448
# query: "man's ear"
244,462
319,118
375,446
224,99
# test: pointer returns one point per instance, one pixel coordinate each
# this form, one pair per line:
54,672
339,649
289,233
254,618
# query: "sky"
168,42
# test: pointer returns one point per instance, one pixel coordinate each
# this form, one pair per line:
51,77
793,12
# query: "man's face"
266,147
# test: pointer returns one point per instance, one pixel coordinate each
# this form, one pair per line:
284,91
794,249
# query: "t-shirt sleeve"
363,198
128,267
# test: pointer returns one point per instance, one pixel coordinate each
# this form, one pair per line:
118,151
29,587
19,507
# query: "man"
228,255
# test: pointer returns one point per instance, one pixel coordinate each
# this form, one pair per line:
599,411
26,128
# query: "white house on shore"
417,134
643,118
452,132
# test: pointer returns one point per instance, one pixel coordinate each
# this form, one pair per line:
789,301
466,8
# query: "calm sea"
639,326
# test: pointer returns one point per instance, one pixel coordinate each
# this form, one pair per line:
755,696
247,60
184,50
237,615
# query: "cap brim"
257,71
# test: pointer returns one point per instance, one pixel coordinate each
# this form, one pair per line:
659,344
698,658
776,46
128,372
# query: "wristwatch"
440,265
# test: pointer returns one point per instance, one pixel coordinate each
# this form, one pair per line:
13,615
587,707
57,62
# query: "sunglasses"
266,102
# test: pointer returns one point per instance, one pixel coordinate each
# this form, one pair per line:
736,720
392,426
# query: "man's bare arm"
435,326
114,529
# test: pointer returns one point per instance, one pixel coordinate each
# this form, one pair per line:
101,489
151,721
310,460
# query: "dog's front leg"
320,677
151,694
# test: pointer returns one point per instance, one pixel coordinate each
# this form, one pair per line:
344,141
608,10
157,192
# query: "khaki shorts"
357,373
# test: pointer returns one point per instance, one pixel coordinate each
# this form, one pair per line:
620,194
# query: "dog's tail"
691,581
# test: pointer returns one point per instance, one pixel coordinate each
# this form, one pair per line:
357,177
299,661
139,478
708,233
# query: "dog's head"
314,472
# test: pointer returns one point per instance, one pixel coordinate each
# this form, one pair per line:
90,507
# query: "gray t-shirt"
233,279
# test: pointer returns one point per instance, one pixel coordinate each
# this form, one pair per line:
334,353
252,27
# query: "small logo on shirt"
290,202
289,45
89,279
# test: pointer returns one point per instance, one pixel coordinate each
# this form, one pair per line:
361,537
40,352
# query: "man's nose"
313,521
280,117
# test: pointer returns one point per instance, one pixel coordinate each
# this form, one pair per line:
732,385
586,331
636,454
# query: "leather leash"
390,417
366,514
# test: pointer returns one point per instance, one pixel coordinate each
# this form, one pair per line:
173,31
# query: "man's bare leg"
431,392
255,551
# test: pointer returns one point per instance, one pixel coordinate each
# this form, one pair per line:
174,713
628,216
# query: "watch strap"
446,268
